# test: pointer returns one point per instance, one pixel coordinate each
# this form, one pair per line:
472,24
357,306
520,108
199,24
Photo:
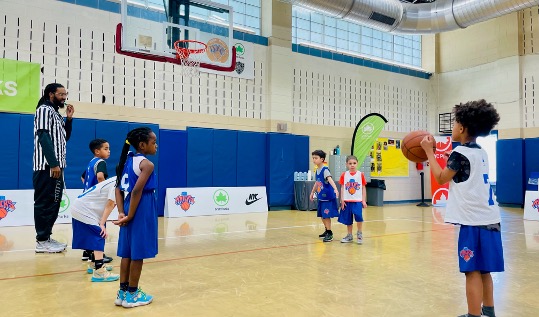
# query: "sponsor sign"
17,207
531,205
217,51
19,86
440,193
199,201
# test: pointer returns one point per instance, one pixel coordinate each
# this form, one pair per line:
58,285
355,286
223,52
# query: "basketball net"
189,57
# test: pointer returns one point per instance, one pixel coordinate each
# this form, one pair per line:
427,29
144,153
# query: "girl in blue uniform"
137,214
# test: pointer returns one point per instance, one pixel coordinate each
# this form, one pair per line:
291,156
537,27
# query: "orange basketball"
185,205
3,213
411,146
352,191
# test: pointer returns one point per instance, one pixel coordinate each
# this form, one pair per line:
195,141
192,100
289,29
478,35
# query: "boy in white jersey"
471,203
90,212
353,199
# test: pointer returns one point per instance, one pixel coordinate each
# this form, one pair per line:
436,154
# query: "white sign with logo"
203,201
531,205
17,207
217,52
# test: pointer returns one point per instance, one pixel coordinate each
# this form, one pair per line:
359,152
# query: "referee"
51,133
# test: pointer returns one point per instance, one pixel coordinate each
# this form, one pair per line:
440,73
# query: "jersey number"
490,200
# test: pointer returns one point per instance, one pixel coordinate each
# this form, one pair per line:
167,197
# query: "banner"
387,159
17,207
366,132
440,193
201,201
19,86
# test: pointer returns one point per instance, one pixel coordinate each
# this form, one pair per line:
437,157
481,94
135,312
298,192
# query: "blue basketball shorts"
480,249
352,210
327,209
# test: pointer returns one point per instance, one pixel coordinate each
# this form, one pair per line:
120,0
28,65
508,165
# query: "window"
342,36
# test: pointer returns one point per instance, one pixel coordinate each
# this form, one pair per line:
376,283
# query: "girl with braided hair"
137,214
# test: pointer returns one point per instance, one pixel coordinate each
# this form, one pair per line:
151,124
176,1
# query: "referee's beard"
60,103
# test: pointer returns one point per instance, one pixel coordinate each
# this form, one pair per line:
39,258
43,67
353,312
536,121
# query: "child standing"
471,203
90,212
96,172
327,194
353,199
137,215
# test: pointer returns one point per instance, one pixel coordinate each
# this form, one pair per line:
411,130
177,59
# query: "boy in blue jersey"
326,193
95,173
471,203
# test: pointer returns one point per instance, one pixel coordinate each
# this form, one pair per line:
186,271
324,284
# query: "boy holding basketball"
471,203
353,199
327,194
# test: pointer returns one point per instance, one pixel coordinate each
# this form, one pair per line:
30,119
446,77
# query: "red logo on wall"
535,204
6,206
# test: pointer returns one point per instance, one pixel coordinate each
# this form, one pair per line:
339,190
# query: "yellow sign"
387,159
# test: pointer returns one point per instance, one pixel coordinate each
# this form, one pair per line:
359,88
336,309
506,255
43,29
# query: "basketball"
411,146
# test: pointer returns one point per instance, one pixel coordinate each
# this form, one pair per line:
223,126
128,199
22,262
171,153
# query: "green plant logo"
220,197
64,204
240,49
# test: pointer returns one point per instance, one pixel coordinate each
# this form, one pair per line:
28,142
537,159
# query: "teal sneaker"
103,275
138,298
120,297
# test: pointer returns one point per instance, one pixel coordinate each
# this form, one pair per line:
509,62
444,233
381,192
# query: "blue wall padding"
510,170
280,169
173,163
199,157
9,160
155,128
26,151
225,157
302,156
114,132
251,162
531,159
78,152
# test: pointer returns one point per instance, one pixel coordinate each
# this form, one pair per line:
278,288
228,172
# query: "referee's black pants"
47,199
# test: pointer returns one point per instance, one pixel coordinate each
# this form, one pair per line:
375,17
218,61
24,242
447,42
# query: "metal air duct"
395,16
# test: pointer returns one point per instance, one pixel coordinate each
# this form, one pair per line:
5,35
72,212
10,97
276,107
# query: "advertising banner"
17,207
201,201
440,193
217,52
366,132
19,86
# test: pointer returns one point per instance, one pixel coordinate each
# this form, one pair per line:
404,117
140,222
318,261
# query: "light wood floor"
273,264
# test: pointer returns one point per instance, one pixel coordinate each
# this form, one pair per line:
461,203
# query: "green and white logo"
64,204
19,86
220,197
240,49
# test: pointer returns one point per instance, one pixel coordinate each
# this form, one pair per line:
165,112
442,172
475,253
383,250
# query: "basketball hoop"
189,57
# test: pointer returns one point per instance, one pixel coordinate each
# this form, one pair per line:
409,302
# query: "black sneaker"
323,235
328,237
86,255
106,259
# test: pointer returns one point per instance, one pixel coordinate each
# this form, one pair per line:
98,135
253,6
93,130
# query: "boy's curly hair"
479,117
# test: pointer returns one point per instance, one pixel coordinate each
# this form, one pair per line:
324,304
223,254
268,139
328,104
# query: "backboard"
149,29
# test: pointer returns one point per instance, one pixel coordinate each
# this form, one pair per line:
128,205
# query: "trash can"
375,192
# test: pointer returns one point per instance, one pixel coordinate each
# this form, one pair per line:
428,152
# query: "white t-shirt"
88,208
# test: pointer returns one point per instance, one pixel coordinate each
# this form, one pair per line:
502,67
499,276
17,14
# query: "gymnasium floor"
273,264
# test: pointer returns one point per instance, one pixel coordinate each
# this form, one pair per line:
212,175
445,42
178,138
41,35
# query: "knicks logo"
217,50
318,186
466,254
352,186
6,206
535,204
184,201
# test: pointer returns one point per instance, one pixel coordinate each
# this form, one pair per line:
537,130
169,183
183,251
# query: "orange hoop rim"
185,52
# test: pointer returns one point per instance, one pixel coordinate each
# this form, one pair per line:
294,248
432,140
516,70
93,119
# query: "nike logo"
252,199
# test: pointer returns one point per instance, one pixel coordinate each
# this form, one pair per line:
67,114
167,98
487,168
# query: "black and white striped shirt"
48,118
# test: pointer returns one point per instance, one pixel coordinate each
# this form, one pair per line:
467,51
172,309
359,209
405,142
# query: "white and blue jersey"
90,178
138,239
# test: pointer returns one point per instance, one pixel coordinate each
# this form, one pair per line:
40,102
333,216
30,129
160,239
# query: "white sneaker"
102,275
347,239
58,243
48,247
359,237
